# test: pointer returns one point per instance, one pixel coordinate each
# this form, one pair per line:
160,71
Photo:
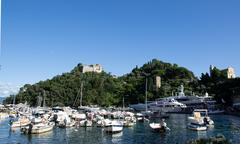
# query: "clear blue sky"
43,38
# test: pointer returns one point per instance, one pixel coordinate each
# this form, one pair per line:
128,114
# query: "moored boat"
159,127
23,121
37,126
114,127
3,115
198,122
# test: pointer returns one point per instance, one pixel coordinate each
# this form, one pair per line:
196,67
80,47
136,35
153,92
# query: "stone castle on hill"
228,72
92,68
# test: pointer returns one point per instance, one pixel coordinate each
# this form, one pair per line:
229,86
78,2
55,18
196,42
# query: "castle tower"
230,73
158,82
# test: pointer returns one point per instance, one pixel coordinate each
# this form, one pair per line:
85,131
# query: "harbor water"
140,133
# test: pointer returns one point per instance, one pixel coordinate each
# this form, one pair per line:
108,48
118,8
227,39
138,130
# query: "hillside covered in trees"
223,89
106,90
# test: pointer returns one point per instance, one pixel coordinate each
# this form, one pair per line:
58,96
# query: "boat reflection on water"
88,128
45,135
201,134
116,137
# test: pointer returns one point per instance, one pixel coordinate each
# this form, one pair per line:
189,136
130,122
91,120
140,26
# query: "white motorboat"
23,121
159,127
166,105
103,122
79,116
3,115
206,119
61,118
198,122
114,126
129,121
38,126
64,121
140,117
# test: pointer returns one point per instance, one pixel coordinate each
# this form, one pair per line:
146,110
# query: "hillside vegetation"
106,90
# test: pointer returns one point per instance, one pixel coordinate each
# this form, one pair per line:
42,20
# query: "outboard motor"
30,128
206,122
55,117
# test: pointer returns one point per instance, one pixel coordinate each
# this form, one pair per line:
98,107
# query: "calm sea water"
141,133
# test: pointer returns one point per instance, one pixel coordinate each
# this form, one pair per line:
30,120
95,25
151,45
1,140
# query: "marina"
229,126
119,72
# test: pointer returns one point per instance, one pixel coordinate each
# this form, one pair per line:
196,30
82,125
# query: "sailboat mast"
81,94
146,95
44,94
14,99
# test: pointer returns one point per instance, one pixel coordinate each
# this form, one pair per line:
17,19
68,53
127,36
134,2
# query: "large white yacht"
161,104
166,105
197,102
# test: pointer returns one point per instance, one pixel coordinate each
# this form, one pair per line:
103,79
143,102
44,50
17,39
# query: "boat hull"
37,129
114,128
42,130
197,127
157,127
19,124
